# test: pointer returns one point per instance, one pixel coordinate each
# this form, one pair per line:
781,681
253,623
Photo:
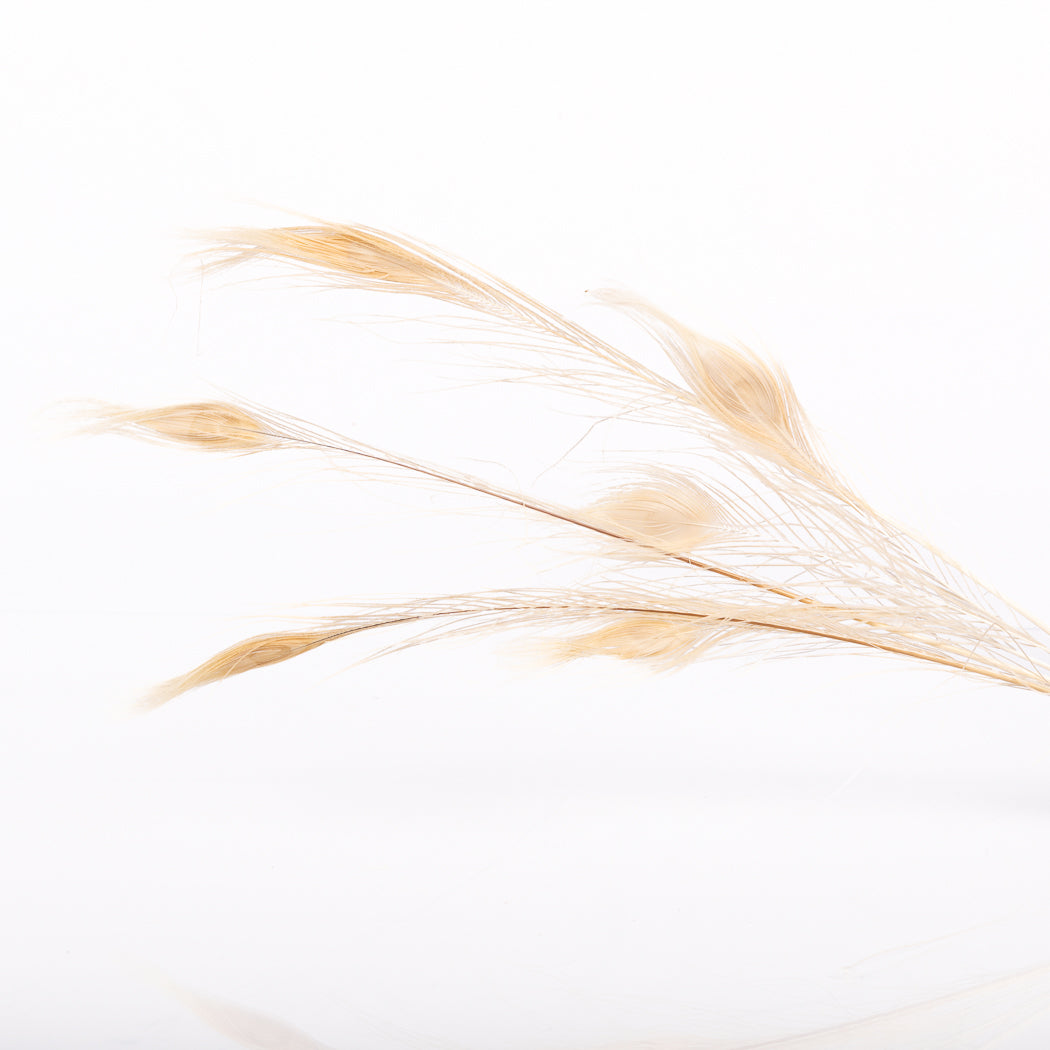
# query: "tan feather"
746,394
762,541
260,651
669,514
665,641
359,257
215,425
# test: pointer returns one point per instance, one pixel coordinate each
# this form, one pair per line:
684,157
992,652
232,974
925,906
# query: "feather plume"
666,513
761,540
751,398
211,425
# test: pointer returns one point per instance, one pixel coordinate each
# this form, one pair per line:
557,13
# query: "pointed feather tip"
357,255
213,425
136,707
258,651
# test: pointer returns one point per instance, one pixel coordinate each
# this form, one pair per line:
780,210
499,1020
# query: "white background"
450,842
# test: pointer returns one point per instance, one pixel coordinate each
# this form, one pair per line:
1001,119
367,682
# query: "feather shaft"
765,539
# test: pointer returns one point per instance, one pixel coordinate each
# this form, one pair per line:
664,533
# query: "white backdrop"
451,846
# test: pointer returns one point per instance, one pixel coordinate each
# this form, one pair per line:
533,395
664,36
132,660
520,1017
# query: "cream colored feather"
760,541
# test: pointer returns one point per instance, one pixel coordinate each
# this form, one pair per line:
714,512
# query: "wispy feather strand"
761,540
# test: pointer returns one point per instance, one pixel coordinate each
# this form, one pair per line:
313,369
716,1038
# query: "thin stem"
964,663
749,623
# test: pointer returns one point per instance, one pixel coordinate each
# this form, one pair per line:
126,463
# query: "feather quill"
761,541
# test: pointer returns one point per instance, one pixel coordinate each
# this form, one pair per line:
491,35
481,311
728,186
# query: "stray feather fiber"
761,541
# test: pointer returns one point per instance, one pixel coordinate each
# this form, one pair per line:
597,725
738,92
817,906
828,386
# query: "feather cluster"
760,541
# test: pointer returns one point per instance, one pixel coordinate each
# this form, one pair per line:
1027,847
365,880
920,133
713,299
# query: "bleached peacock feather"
759,541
